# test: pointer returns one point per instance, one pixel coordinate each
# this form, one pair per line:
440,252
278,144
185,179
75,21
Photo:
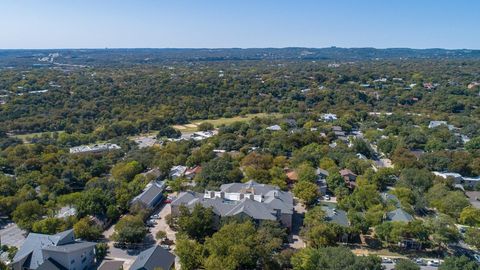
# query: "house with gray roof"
389,198
257,201
399,215
54,252
335,215
151,195
154,258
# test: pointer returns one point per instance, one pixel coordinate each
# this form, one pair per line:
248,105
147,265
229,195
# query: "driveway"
162,225
297,222
11,235
129,256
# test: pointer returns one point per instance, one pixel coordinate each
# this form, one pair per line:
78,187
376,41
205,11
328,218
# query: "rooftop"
154,258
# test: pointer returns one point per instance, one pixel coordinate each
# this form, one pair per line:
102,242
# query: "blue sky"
239,23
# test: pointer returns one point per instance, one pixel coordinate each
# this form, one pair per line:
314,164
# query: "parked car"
327,197
387,260
156,216
151,223
420,261
433,263
167,247
477,257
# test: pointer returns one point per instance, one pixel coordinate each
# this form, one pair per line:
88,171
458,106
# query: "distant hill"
108,57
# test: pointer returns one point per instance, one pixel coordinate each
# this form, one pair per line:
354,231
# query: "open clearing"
191,127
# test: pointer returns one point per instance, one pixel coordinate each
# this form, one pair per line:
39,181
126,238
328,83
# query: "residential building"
177,171
54,252
191,172
321,180
391,199
434,124
111,265
329,117
349,177
66,211
94,148
154,258
399,215
258,201
152,194
459,179
202,135
335,215
274,128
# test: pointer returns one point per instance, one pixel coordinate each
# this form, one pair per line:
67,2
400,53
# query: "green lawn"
223,121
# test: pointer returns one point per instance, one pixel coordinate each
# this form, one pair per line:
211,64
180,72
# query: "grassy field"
222,121
191,127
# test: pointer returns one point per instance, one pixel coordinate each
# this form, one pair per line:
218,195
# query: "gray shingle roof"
51,264
273,200
387,197
72,247
151,194
399,215
35,243
334,215
152,258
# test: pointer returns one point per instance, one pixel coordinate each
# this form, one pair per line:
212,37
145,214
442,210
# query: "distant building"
177,171
349,177
94,148
434,124
329,117
191,172
251,199
202,135
66,211
459,179
54,252
151,195
154,258
274,128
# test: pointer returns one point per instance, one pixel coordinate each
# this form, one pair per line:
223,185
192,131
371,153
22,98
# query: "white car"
387,260
477,257
327,197
433,263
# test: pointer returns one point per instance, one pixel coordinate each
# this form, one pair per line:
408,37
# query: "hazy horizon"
89,24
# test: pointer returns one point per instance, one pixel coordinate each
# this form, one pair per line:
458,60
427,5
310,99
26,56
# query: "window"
72,261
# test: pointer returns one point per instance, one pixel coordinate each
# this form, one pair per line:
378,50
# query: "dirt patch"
179,127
